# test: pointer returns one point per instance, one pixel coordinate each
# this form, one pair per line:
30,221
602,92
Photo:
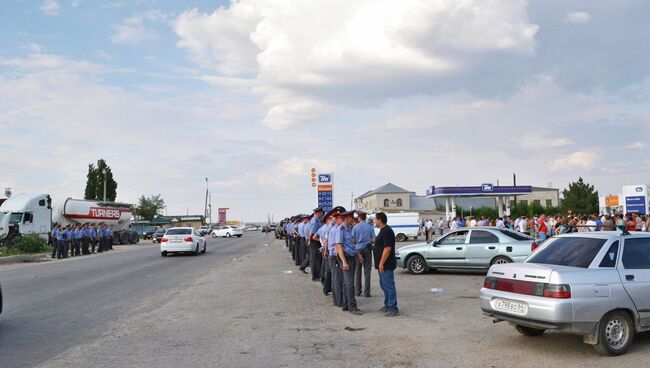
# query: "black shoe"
357,312
345,309
383,310
358,294
391,313
368,296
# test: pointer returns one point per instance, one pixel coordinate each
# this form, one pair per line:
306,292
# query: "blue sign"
487,188
325,178
635,204
325,200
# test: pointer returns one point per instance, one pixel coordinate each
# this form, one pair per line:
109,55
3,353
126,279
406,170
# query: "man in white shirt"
428,228
454,224
591,224
441,226
523,225
500,224
472,223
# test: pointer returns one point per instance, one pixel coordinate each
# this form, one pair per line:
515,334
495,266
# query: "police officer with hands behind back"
348,255
364,235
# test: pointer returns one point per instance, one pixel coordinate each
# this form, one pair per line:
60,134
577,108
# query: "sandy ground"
250,314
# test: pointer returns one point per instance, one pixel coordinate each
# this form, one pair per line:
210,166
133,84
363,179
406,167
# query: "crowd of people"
543,226
78,240
339,247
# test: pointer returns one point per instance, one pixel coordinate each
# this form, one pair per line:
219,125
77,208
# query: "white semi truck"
25,214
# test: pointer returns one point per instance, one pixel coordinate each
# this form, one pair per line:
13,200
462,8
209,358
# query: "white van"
406,225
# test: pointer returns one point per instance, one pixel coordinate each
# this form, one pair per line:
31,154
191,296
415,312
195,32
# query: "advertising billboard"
635,199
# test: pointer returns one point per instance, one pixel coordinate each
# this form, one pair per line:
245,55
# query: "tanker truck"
25,214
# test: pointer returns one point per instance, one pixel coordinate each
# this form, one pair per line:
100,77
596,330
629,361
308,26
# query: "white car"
182,240
227,232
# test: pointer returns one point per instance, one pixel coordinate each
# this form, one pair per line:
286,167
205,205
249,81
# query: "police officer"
95,238
109,235
348,255
289,227
66,237
337,272
78,236
85,239
296,240
363,234
101,231
285,224
55,236
322,237
313,245
304,229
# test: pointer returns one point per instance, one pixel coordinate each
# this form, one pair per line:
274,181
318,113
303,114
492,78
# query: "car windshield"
568,251
179,232
515,235
15,218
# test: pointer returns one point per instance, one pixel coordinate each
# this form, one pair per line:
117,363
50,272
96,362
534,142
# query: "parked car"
595,284
148,232
182,240
158,235
205,230
227,232
471,248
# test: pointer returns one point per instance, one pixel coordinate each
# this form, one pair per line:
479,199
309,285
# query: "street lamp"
105,176
205,211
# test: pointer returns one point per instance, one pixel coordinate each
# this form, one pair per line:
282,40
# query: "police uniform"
337,272
315,257
363,234
325,271
66,235
302,228
296,240
344,239
78,236
55,240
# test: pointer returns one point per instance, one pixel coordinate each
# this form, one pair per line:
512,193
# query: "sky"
254,93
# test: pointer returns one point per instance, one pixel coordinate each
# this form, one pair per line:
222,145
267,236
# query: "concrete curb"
23,258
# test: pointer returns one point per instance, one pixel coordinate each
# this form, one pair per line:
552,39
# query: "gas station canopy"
500,193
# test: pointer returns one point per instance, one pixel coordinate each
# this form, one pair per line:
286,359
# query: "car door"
448,251
481,248
635,274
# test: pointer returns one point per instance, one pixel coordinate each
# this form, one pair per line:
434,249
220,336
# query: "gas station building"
503,196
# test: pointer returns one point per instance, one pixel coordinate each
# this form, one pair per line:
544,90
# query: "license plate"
511,306
176,241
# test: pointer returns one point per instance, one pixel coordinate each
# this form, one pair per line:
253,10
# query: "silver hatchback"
593,284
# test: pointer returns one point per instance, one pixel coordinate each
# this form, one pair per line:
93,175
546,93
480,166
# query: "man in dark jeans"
385,263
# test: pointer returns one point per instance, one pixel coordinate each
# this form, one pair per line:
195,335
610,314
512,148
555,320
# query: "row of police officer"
80,239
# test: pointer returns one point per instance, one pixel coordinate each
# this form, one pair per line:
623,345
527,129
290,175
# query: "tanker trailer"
116,215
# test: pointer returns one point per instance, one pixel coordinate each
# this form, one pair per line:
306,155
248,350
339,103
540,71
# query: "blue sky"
254,93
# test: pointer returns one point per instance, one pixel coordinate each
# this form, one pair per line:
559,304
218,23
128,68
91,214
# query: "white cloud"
636,145
578,17
50,7
308,57
133,30
579,160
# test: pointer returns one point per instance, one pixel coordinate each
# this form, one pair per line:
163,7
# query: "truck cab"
25,214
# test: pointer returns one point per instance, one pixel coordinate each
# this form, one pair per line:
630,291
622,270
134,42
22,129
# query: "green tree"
95,182
150,206
580,197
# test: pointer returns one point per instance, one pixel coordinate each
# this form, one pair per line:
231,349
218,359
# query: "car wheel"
416,265
205,248
239,236
196,251
615,333
227,235
500,260
164,254
529,331
401,238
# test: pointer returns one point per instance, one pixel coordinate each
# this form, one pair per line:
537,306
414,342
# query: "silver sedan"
594,284
470,248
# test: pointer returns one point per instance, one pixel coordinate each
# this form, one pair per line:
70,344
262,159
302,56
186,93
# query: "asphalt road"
53,306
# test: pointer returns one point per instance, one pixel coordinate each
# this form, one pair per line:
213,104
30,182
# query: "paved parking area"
251,314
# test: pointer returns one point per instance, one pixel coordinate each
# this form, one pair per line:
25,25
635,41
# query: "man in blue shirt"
313,257
363,234
77,235
109,238
55,236
66,236
335,262
325,271
347,253
304,256
292,248
296,239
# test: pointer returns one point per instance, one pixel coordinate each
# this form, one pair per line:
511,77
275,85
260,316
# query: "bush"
30,244
6,251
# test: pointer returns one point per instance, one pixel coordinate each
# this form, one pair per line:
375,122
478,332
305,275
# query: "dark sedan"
158,235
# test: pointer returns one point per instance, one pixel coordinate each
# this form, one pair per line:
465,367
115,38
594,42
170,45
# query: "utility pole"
514,182
352,200
210,208
205,211
105,178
